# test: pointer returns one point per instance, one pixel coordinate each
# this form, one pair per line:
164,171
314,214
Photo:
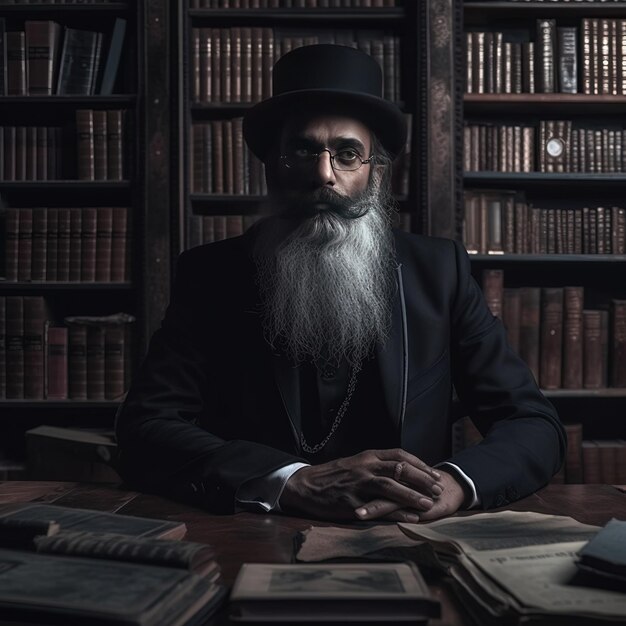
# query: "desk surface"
270,538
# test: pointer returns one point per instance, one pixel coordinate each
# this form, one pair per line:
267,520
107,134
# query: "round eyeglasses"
346,160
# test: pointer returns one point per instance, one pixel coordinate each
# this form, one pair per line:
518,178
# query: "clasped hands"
375,484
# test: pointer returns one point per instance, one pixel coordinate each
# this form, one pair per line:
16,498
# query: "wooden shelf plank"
548,258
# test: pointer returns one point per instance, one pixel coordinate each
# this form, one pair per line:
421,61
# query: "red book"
618,343
57,363
34,323
40,244
77,362
119,243
551,349
63,251
52,244
114,362
3,347
95,363
115,155
76,254
104,232
100,145
25,245
88,244
12,243
573,338
42,39
85,144
15,347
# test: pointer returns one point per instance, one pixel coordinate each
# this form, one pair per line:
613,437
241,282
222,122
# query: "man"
307,366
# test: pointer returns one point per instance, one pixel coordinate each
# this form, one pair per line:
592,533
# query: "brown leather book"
54,160
219,227
507,67
591,463
30,172
225,64
234,225
40,244
235,64
113,361
228,156
246,64
76,240
528,67
551,348
216,67
267,61
207,228
217,129
586,57
621,45
205,53
14,347
34,323
605,57
618,234
492,283
573,338
104,234
119,245
238,158
197,161
567,59
21,153
89,222
604,344
546,54
471,227
206,158
12,226
16,63
592,349
257,64
511,316
56,368
52,244
42,38
100,143
520,209
596,57
607,453
3,347
574,458
77,361
618,343
64,245
195,64
25,245
95,362
8,167
85,144
478,61
115,144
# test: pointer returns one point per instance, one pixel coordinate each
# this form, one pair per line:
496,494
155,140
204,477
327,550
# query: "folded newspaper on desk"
520,568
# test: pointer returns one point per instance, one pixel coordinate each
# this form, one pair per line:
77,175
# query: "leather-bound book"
621,45
89,225
104,233
596,57
200,59
600,230
3,347
77,361
267,61
618,344
119,244
238,158
64,245
216,67
574,458
85,144
40,244
235,64
195,232
592,349
12,230
246,64
234,225
605,57
30,171
57,363
604,346
228,156
206,176
100,145
546,49
551,349
471,225
225,64
492,284
217,129
573,337
591,463
567,59
114,55
219,227
41,153
21,155
607,453
78,62
115,153
76,240
8,154
34,322
257,64
52,244
42,38
207,228
196,160
54,164
16,63
25,245
618,234
113,361
478,61
511,316
14,347
528,67
95,362
586,56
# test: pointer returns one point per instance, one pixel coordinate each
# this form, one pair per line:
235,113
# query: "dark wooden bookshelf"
593,259
311,16
607,392
533,180
477,12
7,286
49,11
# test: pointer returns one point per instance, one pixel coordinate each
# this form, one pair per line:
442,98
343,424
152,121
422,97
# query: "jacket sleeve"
524,442
162,448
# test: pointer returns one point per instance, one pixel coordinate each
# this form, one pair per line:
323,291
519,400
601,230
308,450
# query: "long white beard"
327,286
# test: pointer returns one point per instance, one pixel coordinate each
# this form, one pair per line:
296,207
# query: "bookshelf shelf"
585,393
116,100
545,179
311,16
549,103
65,185
58,286
60,404
549,258
480,12
45,9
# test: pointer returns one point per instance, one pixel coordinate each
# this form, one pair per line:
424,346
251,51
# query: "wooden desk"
269,538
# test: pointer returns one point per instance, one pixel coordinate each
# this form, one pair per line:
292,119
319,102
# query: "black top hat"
325,78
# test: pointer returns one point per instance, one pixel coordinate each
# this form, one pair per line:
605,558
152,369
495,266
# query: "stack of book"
565,345
73,244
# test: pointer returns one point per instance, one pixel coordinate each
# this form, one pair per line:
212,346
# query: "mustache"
324,200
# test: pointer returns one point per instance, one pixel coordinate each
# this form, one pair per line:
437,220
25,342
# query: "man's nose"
323,171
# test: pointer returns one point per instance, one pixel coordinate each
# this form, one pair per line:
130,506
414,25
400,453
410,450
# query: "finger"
385,509
393,497
400,455
404,515
408,475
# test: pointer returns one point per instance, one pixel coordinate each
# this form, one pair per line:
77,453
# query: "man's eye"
347,156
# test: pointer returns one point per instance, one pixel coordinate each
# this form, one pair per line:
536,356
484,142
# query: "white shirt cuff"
266,490
475,499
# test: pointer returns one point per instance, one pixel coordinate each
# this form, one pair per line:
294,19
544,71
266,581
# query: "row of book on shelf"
502,222
203,229
87,358
590,461
221,163
235,64
34,62
565,345
67,244
40,153
589,58
292,4
551,146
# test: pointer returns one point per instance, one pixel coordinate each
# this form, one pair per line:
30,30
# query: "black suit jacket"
213,406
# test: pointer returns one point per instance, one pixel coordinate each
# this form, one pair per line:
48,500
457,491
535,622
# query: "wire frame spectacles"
346,160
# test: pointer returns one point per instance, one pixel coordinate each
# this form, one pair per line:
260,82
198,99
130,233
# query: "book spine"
89,221
115,153
77,362
551,337
85,144
114,362
40,244
100,159
16,63
119,244
568,68
25,245
573,338
104,233
14,347
95,363
40,52
34,320
546,35
75,257
64,246
618,343
574,458
12,244
57,363
592,349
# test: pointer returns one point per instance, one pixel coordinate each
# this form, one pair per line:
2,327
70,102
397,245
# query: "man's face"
319,180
